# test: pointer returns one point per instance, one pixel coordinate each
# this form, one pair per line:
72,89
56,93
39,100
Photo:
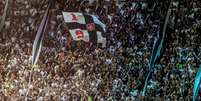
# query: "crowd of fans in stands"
77,71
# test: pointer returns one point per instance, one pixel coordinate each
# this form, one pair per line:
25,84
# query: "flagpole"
3,18
30,76
39,34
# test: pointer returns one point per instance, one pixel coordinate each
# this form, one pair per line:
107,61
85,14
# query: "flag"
156,52
197,84
158,44
39,36
85,27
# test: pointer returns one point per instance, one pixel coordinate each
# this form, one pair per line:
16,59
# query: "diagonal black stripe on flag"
74,25
92,34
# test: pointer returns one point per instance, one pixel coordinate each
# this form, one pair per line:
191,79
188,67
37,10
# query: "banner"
79,34
74,17
85,27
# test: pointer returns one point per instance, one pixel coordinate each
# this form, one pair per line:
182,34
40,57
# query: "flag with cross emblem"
85,27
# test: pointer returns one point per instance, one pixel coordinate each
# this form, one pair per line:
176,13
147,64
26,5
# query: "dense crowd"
68,70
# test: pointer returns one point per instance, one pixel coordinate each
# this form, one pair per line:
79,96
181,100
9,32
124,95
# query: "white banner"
79,34
70,17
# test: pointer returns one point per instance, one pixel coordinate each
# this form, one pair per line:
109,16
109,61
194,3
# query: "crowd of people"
68,70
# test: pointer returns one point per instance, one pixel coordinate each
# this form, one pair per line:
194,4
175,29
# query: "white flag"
70,17
79,34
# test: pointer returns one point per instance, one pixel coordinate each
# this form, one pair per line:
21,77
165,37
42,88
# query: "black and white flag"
85,27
